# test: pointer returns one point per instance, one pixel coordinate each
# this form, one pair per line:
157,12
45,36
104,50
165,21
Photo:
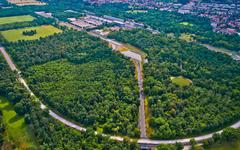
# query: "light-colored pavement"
142,123
132,55
66,122
142,141
8,59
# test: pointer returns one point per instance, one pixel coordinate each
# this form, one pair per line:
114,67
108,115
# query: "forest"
229,135
211,102
80,77
50,134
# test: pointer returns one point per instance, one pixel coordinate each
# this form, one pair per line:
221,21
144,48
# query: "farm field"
16,128
14,19
17,34
181,81
26,2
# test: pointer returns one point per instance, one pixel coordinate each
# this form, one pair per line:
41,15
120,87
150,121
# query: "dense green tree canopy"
50,133
90,83
211,102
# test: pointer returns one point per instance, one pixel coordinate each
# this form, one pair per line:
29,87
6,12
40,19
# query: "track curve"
143,141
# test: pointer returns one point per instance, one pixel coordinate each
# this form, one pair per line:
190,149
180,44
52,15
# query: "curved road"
143,142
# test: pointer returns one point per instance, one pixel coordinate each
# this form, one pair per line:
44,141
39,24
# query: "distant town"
91,21
224,18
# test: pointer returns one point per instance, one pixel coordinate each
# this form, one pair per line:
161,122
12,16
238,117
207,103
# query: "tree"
193,143
20,109
166,147
179,146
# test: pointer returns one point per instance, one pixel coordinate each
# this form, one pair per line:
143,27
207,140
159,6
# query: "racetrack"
143,141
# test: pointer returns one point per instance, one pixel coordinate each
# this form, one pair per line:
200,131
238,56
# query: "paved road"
142,123
143,142
8,59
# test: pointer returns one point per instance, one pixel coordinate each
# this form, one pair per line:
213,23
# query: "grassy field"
181,81
186,24
14,19
225,146
16,129
17,34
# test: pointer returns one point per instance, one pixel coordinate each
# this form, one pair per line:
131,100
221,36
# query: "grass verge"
16,128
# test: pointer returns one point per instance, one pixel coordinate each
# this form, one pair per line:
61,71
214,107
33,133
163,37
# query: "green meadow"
42,31
186,24
181,81
15,19
16,129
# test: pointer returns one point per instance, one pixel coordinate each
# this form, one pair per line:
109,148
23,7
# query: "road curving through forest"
144,143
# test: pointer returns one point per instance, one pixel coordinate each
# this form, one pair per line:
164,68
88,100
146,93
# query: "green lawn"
42,31
14,19
16,129
186,24
181,81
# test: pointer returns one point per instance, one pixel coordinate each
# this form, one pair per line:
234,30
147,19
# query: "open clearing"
14,19
181,81
16,129
186,24
42,31
25,2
